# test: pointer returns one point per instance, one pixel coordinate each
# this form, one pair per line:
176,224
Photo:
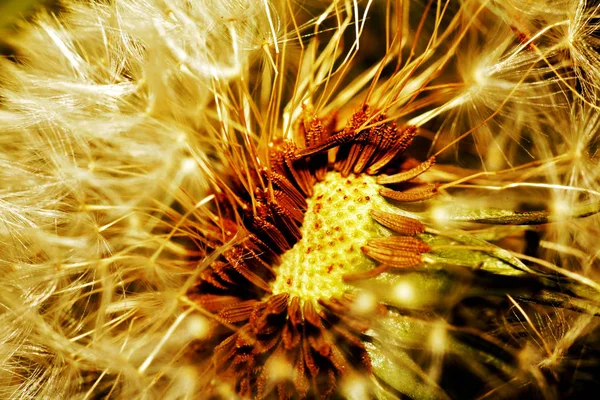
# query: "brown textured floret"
316,343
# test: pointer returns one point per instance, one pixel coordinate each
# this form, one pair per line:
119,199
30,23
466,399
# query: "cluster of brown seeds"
278,343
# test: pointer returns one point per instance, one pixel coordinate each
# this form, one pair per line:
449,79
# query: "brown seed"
393,257
419,194
400,243
406,175
398,223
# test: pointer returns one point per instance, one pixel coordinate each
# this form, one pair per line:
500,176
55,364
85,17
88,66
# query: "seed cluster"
336,225
307,226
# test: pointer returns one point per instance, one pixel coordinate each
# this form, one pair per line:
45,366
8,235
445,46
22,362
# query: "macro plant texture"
286,199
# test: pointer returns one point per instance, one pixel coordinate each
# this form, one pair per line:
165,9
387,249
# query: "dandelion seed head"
161,166
314,226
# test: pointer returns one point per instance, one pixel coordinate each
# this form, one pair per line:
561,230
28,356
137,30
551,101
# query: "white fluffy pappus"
121,120
96,121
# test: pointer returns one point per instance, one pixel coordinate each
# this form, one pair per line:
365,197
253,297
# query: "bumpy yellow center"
336,224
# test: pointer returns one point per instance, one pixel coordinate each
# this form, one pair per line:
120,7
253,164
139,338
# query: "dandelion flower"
266,199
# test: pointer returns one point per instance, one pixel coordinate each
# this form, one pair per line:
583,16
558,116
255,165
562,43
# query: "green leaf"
469,251
394,367
497,216
416,290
